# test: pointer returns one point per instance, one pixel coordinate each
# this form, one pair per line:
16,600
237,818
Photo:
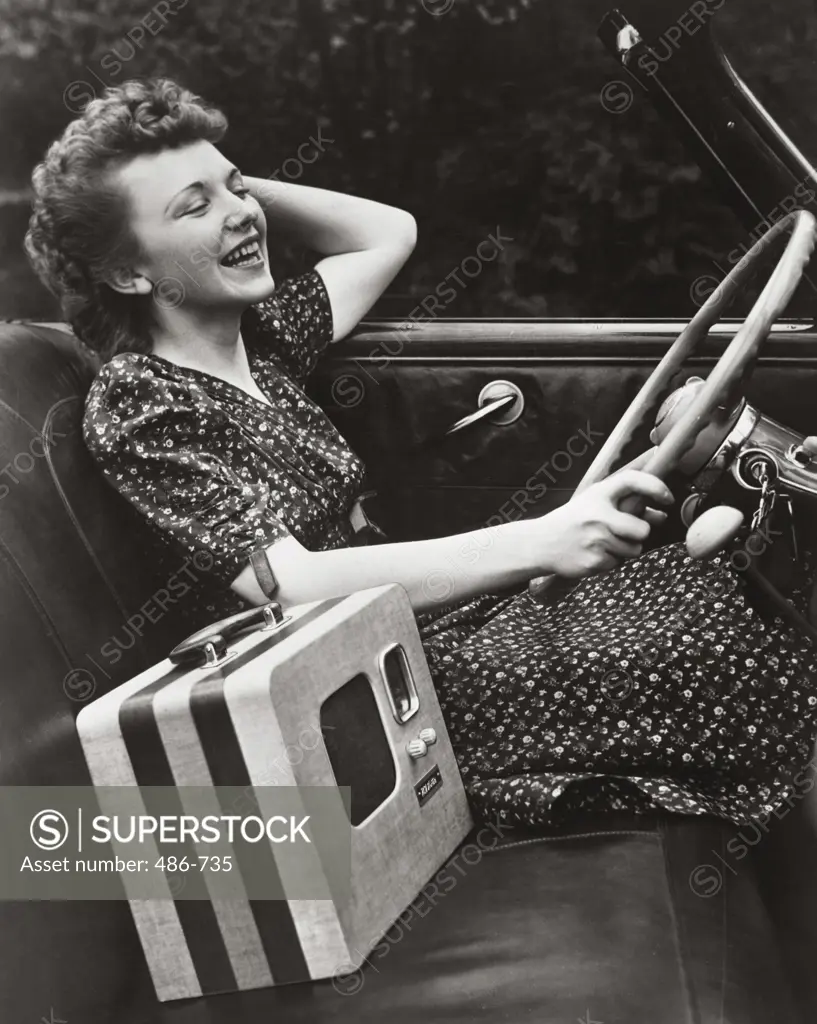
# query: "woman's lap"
660,674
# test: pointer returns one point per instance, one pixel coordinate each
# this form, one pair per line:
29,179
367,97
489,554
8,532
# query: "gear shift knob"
712,530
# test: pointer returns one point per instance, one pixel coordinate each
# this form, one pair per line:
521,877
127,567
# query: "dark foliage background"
486,115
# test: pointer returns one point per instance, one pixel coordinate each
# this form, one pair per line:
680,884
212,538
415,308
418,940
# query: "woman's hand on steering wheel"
654,516
591,534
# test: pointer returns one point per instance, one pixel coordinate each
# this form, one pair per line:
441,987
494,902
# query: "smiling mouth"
247,255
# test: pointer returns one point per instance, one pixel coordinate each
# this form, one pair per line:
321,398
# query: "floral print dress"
655,685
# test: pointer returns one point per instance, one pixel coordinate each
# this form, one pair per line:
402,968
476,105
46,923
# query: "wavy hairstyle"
79,229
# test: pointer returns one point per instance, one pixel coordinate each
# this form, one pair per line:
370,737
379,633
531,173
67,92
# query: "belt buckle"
365,530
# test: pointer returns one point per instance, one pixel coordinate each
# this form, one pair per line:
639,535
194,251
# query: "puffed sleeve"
294,325
160,443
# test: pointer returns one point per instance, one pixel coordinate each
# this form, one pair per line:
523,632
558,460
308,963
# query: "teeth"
245,253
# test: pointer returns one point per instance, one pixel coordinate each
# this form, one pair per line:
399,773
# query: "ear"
128,282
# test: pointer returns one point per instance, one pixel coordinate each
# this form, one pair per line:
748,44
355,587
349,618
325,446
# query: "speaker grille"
358,747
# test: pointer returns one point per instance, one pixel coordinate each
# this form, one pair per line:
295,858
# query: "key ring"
768,499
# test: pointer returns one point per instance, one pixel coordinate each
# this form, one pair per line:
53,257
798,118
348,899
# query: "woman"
158,249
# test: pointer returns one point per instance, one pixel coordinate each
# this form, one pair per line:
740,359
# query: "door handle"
500,402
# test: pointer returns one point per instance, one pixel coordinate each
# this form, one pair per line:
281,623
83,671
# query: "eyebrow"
200,185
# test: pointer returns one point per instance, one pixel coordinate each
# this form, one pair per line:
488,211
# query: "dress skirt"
655,685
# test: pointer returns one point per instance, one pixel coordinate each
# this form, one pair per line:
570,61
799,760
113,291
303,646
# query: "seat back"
83,578
81,582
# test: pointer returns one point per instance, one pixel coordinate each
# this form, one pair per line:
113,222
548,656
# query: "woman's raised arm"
364,243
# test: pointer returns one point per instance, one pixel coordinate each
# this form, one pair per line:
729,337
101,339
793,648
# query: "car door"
575,380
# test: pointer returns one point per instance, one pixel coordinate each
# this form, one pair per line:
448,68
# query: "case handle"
208,646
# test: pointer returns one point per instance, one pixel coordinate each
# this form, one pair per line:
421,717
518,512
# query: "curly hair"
79,229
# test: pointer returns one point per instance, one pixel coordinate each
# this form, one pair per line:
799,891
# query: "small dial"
417,748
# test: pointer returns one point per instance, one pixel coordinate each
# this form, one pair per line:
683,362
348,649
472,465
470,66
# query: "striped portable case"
339,694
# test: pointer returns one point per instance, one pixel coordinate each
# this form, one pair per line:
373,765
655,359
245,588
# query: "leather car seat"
594,923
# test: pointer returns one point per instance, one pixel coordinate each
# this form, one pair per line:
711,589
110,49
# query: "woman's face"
191,216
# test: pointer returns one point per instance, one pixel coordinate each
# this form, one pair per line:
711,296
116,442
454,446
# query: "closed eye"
243,192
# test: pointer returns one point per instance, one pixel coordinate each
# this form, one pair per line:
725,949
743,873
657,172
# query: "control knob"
417,748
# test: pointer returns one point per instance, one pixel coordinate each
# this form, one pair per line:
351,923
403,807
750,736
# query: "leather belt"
259,560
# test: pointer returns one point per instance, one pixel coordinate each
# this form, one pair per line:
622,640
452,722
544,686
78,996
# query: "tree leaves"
468,113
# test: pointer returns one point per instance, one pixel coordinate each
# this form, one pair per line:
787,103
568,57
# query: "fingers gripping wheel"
208,646
730,373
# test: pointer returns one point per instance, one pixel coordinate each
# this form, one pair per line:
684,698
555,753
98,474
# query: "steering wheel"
728,377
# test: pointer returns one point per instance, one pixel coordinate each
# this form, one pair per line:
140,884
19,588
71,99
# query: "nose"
241,221
241,217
